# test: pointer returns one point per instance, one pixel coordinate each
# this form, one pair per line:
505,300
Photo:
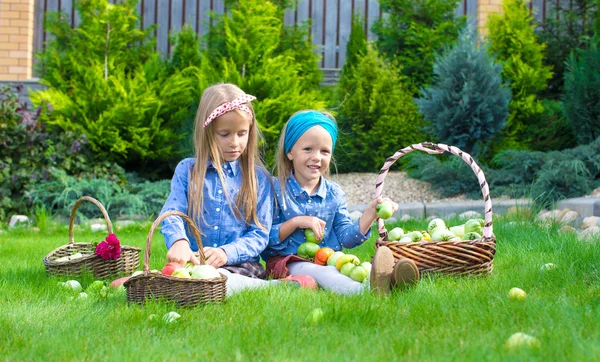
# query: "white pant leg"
328,277
238,282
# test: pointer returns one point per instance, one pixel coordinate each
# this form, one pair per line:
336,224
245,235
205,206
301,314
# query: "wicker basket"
101,268
184,292
450,257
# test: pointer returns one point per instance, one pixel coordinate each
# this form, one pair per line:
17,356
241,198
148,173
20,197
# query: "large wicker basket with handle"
450,257
184,292
126,263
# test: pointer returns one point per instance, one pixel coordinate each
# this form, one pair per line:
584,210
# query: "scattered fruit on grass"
347,269
395,234
310,236
204,272
153,317
118,282
82,295
73,285
521,340
334,257
384,210
308,250
181,273
95,287
169,268
358,273
516,294
171,316
548,266
314,316
323,255
347,258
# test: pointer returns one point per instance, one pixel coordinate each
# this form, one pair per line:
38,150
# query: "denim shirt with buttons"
328,203
219,226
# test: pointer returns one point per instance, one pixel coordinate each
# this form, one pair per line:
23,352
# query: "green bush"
582,93
376,115
551,131
31,152
513,42
61,192
246,48
568,26
467,104
414,31
105,81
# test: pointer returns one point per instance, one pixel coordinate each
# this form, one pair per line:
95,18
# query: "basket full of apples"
440,249
187,286
107,258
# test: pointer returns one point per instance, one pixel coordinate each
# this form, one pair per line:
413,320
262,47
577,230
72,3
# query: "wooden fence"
331,20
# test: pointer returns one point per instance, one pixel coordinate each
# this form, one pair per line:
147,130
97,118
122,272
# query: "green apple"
458,230
308,250
521,340
136,273
73,286
171,316
367,266
95,287
310,236
82,296
347,269
205,272
181,273
395,234
516,294
334,257
434,225
471,236
314,316
358,273
346,259
63,259
76,256
384,210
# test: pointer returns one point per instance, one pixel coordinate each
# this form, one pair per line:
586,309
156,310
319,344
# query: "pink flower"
110,248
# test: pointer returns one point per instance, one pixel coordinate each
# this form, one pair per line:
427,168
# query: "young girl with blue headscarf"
307,200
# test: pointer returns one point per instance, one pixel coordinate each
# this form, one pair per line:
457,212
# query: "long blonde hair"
284,164
207,149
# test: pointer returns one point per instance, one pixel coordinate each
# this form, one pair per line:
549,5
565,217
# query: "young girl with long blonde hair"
225,189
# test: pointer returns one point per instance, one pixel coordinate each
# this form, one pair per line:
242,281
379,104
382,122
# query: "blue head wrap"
302,122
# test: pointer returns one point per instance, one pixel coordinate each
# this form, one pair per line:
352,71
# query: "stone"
548,216
590,234
98,227
355,215
590,221
470,215
16,219
405,217
567,229
569,217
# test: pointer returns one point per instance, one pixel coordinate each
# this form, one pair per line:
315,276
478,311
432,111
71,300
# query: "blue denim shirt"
328,204
220,227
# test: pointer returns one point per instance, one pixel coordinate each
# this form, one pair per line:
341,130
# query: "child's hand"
181,253
215,256
370,213
311,222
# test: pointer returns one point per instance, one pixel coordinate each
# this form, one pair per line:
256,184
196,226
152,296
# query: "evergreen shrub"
467,104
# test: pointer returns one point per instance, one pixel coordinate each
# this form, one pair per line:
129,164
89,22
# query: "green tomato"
310,236
308,250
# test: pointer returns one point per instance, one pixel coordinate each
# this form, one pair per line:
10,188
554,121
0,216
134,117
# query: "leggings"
238,282
328,277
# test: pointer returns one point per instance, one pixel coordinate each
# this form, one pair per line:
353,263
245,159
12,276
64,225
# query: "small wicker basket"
184,292
450,257
127,263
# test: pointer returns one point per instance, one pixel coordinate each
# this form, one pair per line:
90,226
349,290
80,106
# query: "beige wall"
16,39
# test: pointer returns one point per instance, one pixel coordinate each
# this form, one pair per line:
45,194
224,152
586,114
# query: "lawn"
442,319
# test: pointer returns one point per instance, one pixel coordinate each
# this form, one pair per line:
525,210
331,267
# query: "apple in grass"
521,340
517,294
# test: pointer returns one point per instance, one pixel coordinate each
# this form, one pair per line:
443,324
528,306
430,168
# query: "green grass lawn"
441,319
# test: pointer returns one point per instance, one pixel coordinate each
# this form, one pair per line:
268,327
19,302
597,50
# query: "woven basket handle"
157,222
74,209
438,148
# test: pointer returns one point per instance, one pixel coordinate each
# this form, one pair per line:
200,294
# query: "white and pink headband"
237,103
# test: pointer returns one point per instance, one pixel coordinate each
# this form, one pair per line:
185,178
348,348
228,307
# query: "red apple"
169,268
